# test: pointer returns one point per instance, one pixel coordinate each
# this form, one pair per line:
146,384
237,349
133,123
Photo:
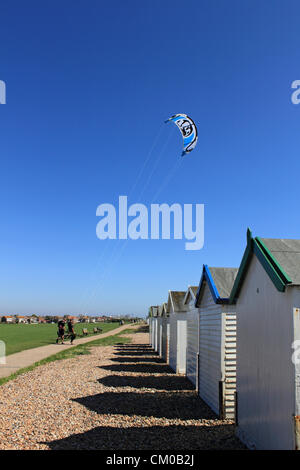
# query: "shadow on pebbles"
119,397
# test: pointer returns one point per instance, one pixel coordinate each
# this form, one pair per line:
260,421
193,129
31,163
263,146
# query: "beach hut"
153,313
192,348
160,329
217,340
165,319
155,328
150,325
267,297
178,330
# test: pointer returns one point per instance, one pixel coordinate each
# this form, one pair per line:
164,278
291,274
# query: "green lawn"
72,352
20,337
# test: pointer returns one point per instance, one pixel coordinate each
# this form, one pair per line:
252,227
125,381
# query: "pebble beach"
118,397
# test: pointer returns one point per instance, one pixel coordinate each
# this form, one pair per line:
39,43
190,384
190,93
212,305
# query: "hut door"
181,346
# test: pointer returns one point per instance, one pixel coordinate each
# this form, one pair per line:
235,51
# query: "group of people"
61,331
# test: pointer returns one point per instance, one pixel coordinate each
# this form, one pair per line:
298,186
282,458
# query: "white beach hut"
153,313
217,340
192,348
165,334
178,331
162,322
267,297
160,330
149,320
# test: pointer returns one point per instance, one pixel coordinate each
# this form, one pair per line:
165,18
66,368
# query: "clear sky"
89,85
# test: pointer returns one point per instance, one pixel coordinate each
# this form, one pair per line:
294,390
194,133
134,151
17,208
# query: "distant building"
73,318
84,319
21,319
33,319
8,319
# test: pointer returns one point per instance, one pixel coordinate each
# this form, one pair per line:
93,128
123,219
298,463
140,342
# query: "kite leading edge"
188,131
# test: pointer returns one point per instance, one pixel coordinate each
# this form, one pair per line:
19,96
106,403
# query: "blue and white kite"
188,131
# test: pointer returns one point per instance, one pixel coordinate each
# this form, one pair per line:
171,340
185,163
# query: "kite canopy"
188,131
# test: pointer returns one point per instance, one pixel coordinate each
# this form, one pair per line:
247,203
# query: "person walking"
71,331
61,331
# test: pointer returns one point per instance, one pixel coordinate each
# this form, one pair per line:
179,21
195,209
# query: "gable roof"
220,282
153,311
191,292
194,289
175,300
280,258
287,254
162,309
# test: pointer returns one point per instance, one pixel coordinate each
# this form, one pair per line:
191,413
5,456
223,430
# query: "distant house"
84,319
49,319
73,318
30,319
21,319
8,319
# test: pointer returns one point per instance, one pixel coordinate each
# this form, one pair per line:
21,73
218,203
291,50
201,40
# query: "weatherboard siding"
159,335
164,338
265,371
210,340
217,355
154,333
192,345
173,342
150,330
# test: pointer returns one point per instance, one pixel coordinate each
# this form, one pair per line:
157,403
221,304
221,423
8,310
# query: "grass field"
20,337
75,351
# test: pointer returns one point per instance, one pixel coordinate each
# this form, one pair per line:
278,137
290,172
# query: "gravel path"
119,397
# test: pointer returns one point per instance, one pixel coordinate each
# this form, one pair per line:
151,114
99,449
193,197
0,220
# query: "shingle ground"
119,397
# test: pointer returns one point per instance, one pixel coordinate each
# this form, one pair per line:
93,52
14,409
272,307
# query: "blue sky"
89,84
